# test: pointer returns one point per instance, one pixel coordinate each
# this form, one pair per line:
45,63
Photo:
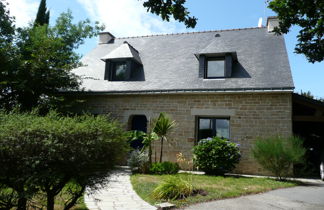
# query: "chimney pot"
106,37
272,22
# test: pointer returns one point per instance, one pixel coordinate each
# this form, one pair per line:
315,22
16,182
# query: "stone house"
231,83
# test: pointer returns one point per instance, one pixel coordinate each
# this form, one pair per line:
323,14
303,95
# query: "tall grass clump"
172,188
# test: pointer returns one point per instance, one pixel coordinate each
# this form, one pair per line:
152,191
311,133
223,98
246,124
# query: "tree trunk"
155,155
74,199
150,154
161,153
22,203
50,201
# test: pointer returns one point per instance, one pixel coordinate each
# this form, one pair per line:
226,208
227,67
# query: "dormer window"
119,71
123,64
216,65
215,68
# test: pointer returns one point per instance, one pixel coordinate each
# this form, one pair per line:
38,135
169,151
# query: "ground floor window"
213,126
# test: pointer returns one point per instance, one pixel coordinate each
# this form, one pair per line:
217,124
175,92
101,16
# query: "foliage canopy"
309,16
43,14
171,8
46,153
36,61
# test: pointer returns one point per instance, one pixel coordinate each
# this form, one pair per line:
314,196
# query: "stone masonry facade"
251,115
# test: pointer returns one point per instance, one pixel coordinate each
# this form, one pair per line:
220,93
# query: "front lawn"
217,187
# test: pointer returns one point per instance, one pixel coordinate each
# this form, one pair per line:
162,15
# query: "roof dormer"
122,64
216,62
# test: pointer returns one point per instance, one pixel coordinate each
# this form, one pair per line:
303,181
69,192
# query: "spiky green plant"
172,188
162,128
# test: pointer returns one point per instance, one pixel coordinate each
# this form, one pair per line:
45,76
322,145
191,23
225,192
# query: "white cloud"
23,10
127,18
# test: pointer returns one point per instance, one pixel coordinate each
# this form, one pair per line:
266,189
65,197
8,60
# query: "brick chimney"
272,22
106,37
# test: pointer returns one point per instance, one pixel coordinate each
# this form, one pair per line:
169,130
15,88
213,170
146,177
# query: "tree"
162,127
171,8
7,32
6,24
43,15
278,154
309,15
46,154
38,60
308,94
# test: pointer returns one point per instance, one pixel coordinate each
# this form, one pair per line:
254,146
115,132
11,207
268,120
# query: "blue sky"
129,18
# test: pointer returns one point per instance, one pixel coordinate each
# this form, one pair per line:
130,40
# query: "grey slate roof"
170,63
123,51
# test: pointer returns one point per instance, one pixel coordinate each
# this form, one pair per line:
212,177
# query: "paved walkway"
117,195
300,198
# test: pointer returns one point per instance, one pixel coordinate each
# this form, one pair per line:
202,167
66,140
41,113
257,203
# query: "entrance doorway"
308,123
138,123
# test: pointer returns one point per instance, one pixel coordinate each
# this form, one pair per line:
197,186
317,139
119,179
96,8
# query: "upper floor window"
216,65
119,71
215,68
123,64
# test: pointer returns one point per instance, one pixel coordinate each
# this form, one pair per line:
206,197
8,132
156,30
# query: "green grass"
217,187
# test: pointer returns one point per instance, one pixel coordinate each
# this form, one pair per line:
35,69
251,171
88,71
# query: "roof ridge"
194,32
131,46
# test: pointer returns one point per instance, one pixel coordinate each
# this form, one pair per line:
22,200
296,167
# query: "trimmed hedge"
47,152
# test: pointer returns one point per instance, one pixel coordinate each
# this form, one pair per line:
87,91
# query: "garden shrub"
139,161
278,154
173,188
164,168
216,156
48,152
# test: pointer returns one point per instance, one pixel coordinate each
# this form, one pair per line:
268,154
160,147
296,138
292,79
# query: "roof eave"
186,91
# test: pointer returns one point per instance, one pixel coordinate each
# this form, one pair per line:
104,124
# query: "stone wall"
251,115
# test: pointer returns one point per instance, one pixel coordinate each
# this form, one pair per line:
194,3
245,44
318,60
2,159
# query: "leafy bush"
216,156
173,188
278,154
47,152
164,168
139,161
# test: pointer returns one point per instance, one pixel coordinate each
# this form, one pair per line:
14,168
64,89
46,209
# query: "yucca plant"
162,127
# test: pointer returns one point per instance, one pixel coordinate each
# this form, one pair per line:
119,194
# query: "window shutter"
228,65
202,66
107,70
